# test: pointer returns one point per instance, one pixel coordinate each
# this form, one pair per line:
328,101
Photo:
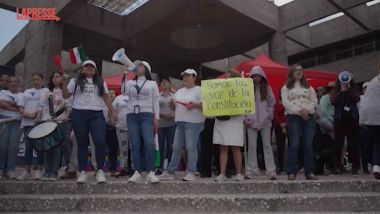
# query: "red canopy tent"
278,73
114,82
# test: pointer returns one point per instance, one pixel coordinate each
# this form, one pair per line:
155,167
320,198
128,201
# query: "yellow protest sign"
233,96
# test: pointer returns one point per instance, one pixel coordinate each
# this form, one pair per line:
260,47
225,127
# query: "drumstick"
184,104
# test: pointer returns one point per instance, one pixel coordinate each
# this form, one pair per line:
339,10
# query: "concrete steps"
205,195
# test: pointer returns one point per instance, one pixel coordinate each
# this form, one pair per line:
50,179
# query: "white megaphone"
121,57
345,78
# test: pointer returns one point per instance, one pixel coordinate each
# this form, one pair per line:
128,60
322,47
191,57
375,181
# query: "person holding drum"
143,114
90,93
11,132
54,107
28,107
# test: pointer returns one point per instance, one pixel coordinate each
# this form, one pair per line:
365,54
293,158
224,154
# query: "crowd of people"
315,132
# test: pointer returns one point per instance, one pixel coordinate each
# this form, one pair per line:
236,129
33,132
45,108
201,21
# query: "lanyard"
139,88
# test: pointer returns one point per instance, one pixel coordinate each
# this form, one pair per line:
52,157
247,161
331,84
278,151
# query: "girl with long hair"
299,100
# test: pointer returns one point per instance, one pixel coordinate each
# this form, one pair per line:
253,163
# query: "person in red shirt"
281,132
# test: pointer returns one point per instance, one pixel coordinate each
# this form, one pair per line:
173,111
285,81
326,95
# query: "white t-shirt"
120,106
89,98
58,103
31,101
11,97
187,95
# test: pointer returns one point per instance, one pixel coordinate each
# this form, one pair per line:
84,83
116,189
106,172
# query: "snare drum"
45,136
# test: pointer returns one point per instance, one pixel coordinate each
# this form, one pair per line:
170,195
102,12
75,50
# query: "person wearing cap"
370,116
190,123
90,94
300,101
327,110
143,114
346,123
260,121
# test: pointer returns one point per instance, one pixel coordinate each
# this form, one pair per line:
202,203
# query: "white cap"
189,71
145,63
89,62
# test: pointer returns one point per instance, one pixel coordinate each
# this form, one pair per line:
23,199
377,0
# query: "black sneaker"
158,171
355,172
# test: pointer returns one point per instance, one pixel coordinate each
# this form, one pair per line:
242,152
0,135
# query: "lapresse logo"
37,14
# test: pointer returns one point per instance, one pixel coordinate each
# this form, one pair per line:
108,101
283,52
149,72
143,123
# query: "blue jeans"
165,140
9,142
141,125
29,150
83,123
186,134
300,129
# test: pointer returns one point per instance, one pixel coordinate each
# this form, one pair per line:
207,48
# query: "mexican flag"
77,55
157,155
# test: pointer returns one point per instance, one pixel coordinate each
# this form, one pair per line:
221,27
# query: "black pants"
365,147
374,132
207,151
111,141
280,140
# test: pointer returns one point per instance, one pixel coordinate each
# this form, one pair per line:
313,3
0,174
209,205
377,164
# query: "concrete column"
278,48
43,41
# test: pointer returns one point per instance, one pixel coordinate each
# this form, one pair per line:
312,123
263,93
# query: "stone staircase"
332,194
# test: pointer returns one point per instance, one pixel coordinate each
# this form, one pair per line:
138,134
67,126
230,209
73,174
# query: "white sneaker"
25,175
45,178
376,169
82,177
136,177
165,176
10,175
152,178
52,178
189,177
100,178
239,177
221,178
38,175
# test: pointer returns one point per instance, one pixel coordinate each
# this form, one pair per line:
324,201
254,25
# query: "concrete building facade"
208,35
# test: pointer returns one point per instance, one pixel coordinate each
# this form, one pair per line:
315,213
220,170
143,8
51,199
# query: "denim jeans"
141,125
165,140
83,123
9,142
300,132
29,150
186,134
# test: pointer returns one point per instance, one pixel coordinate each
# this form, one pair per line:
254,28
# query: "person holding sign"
90,93
229,132
143,113
300,101
260,121
190,122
